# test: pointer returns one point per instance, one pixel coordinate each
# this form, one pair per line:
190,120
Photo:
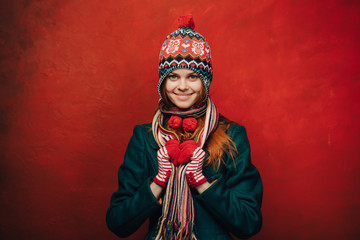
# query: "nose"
182,84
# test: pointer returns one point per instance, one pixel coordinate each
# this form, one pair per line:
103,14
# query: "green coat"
231,205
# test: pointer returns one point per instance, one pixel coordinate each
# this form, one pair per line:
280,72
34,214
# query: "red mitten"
164,167
173,150
193,172
187,150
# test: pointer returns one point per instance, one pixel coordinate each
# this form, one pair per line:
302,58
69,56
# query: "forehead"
182,71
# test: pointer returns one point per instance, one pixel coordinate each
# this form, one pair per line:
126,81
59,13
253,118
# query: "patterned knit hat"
186,48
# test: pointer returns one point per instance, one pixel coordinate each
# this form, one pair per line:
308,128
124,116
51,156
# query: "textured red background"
76,76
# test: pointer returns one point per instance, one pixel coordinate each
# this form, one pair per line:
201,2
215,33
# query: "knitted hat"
186,48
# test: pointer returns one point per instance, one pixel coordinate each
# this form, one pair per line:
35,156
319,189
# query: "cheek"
168,86
198,87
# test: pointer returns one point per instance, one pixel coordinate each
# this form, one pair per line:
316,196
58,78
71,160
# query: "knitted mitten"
169,152
187,149
173,150
191,150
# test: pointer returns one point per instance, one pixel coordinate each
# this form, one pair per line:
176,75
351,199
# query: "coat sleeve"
235,198
133,202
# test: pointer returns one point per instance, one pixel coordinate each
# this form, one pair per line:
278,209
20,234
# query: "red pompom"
175,122
189,124
186,21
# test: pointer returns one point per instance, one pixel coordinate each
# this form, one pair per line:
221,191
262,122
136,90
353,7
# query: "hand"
187,150
173,150
190,150
164,167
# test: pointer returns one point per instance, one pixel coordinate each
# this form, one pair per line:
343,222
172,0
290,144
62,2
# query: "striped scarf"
195,111
178,215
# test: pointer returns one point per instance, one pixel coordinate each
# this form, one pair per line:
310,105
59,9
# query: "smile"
179,94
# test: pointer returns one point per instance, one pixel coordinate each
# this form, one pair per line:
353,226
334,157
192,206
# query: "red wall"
76,76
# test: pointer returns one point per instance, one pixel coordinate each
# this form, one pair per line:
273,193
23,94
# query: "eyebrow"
190,74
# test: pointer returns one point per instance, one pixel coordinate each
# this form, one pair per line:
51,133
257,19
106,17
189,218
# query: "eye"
193,77
172,77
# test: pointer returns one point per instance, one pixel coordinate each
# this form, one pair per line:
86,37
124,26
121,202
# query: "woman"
190,170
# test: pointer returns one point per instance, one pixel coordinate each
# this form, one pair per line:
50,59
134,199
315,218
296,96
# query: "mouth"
183,94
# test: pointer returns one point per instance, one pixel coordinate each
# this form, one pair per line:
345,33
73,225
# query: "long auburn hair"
218,142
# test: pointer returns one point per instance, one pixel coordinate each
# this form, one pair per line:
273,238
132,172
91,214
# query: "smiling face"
183,88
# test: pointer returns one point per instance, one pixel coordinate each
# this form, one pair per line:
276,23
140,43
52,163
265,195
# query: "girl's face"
183,87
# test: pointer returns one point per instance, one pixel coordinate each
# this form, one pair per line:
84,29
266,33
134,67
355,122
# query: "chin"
183,106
